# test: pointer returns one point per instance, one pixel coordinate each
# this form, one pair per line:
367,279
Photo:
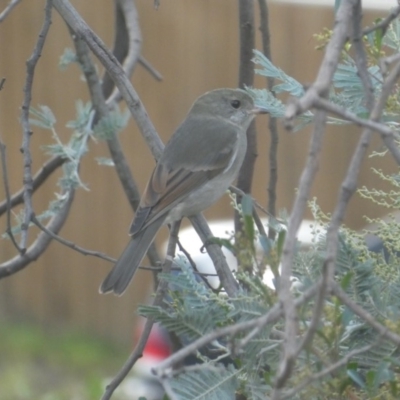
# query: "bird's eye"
235,103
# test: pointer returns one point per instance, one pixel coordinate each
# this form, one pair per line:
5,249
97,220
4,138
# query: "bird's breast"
211,191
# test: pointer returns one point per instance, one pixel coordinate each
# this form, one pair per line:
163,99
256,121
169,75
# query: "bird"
198,164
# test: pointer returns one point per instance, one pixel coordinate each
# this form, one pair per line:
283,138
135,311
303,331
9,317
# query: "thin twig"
240,192
384,24
246,78
259,223
150,69
330,369
159,269
162,368
2,82
387,88
196,367
360,56
36,249
129,36
158,301
70,244
272,124
364,314
332,236
194,266
320,88
8,9
296,216
386,62
225,274
39,178
328,67
387,134
8,197
25,148
349,184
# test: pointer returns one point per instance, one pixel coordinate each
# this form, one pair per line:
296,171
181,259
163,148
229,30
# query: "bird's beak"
259,110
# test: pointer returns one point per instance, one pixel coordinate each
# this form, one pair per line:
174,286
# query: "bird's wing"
181,170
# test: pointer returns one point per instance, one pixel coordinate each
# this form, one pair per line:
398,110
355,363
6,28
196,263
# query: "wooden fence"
194,45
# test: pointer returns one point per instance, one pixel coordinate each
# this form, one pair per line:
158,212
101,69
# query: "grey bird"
199,163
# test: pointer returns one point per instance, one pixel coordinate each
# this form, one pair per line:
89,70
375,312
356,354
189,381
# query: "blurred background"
194,45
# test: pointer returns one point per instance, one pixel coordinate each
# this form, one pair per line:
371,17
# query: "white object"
224,229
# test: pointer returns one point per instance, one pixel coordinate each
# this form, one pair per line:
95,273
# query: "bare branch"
332,239
162,368
158,301
8,9
202,276
319,88
127,43
349,185
70,244
246,78
272,125
41,243
7,191
148,67
360,56
364,315
328,66
307,178
384,24
40,177
247,42
388,136
224,273
240,192
25,149
330,369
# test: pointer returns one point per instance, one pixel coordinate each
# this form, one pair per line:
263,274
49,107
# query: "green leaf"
289,85
378,37
280,242
84,116
355,377
210,383
346,280
266,244
383,373
114,122
370,379
247,205
66,59
248,222
44,117
347,316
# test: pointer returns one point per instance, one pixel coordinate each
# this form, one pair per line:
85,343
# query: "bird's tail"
120,276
